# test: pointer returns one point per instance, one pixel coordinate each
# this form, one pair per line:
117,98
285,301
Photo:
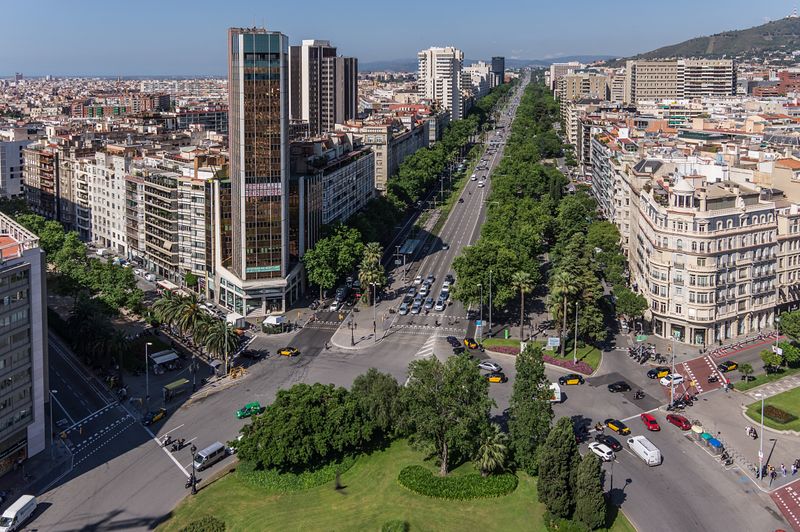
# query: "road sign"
478,323
554,341
777,350
760,455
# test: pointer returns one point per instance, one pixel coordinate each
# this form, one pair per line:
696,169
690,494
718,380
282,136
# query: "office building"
439,78
23,345
498,71
559,70
262,272
323,88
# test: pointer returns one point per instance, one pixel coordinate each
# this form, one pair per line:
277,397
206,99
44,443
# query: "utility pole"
490,303
374,314
672,380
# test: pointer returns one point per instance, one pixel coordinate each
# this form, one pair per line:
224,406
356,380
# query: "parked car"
672,379
657,373
404,308
609,441
452,340
288,351
449,278
679,421
728,365
650,422
428,303
416,307
602,451
617,426
418,279
248,410
470,343
446,286
570,378
488,365
411,291
153,416
496,376
619,386
440,305
430,279
423,289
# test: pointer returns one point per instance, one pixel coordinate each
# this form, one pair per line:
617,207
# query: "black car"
252,353
610,441
457,350
619,386
449,278
452,340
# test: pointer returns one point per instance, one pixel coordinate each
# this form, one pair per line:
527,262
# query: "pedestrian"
794,469
772,476
783,470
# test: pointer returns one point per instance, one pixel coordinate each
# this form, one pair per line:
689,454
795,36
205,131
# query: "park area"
781,412
370,497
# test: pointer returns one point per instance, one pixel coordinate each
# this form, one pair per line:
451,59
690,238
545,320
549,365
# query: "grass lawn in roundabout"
371,496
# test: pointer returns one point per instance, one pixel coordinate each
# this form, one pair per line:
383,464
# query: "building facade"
677,79
498,71
12,164
23,344
439,78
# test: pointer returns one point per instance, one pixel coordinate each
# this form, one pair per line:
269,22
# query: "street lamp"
374,314
352,327
194,477
490,303
777,331
761,438
52,434
147,375
480,318
575,347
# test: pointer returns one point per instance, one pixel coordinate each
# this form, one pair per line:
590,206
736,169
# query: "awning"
164,357
274,320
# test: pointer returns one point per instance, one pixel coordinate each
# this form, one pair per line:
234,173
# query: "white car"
418,279
481,184
488,365
473,177
669,380
439,306
602,451
446,286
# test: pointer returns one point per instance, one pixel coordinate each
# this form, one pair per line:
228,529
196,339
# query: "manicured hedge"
461,487
778,415
206,524
287,482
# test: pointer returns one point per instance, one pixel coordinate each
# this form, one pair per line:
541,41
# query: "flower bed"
776,414
566,363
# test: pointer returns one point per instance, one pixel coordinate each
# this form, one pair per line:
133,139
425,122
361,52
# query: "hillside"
778,35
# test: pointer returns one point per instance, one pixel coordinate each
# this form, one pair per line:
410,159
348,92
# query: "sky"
187,37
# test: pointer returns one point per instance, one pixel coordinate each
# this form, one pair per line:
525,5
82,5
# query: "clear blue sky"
184,37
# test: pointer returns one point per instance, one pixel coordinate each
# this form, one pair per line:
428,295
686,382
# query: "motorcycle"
639,395
713,378
189,482
167,440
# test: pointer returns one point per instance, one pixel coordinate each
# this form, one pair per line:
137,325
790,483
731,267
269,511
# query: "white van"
209,456
645,450
18,513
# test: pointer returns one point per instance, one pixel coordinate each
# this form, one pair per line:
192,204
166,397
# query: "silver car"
403,309
488,365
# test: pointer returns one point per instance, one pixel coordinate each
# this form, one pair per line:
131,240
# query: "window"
701,261
679,308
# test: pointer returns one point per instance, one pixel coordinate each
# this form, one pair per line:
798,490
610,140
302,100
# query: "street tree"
628,303
190,316
590,504
320,263
530,410
790,324
167,308
771,359
219,339
492,451
378,398
746,369
446,406
790,353
523,282
558,460
563,287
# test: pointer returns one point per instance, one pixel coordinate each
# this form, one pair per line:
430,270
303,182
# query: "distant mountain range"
777,36
410,65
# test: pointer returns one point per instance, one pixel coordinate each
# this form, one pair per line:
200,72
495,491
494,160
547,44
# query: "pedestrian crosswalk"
426,351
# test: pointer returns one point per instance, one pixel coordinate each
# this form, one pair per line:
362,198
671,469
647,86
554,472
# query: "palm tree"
189,315
373,252
492,452
371,271
523,282
219,339
167,307
562,286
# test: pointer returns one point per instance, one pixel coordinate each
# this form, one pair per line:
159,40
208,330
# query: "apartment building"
582,85
161,224
107,197
677,79
391,140
439,78
23,345
12,142
478,78
558,70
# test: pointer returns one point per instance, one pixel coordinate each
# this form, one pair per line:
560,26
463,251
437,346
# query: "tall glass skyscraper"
262,270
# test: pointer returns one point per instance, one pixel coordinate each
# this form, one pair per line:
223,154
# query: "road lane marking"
174,429
53,396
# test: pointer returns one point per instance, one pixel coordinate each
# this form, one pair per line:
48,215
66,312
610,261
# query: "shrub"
396,525
462,487
276,481
559,524
206,524
776,414
580,366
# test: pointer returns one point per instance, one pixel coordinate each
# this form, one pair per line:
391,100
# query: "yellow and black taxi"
470,343
288,351
657,373
728,365
496,376
153,416
570,378
617,426
248,410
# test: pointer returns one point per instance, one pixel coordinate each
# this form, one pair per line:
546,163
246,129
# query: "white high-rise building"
439,78
12,142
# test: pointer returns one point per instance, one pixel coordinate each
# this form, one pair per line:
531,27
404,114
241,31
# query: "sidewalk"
36,473
774,388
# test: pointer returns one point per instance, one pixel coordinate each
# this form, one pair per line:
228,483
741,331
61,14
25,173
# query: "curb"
767,428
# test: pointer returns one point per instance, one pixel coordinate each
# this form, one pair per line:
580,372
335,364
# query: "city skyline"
173,40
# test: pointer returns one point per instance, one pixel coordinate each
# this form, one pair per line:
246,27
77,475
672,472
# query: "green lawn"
764,378
788,401
371,497
589,354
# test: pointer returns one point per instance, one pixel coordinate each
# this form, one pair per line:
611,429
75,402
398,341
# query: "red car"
679,421
650,422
